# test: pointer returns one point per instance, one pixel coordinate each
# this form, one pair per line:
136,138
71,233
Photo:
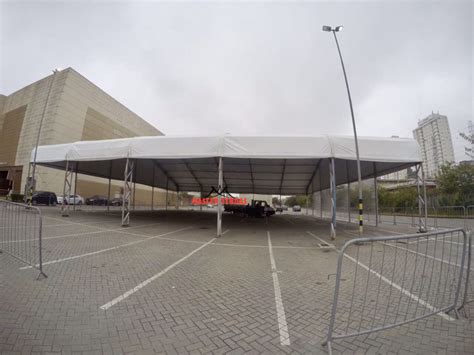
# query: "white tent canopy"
264,165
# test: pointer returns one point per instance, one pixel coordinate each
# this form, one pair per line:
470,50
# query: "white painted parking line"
402,290
389,231
154,277
105,250
414,252
443,237
321,240
425,255
262,246
122,231
289,220
101,230
282,325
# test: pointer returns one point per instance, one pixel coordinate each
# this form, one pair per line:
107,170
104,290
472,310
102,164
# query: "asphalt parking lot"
167,285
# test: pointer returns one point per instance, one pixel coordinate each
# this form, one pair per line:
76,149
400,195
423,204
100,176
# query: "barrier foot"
41,276
462,310
456,314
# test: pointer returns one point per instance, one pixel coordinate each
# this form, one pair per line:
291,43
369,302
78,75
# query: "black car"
116,202
97,200
44,198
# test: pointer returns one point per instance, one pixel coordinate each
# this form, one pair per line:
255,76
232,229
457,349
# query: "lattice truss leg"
127,192
67,188
421,191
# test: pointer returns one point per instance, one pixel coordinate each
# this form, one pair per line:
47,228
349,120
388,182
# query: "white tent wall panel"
269,165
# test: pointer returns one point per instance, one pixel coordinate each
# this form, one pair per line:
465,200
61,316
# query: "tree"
402,197
299,200
456,184
291,201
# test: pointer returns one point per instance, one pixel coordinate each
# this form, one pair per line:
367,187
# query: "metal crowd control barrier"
468,282
470,218
438,217
384,282
20,233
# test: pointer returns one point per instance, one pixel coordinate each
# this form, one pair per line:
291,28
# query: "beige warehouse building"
74,109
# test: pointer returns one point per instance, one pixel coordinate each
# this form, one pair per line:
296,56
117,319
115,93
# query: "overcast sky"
255,68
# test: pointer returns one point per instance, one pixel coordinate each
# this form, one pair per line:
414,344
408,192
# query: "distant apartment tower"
434,137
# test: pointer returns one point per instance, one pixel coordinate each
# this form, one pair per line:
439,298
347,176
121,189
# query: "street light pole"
359,175
30,185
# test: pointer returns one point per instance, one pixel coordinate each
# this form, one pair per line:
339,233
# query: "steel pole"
153,189
320,196
219,197
108,191
200,196
32,188
166,202
332,177
359,174
75,187
376,197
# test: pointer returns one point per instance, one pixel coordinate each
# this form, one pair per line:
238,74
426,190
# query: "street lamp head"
339,28
327,28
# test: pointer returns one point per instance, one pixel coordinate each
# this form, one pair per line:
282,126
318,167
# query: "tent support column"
307,200
219,197
75,187
320,197
376,197
421,190
348,193
153,189
200,204
332,178
67,188
177,199
133,198
166,197
127,191
108,193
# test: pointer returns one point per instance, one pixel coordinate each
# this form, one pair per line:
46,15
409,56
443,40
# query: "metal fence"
20,233
468,282
384,282
470,218
438,217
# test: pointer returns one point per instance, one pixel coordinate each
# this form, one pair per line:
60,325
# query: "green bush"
15,197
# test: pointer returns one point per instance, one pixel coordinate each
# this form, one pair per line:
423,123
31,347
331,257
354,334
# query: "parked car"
118,201
44,198
97,200
72,200
259,208
279,208
296,208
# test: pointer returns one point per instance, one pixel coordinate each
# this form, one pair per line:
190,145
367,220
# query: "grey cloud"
255,68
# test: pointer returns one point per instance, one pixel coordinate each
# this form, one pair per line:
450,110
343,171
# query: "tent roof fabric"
259,164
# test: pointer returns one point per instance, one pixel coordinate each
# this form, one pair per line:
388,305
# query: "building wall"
76,110
434,137
32,99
